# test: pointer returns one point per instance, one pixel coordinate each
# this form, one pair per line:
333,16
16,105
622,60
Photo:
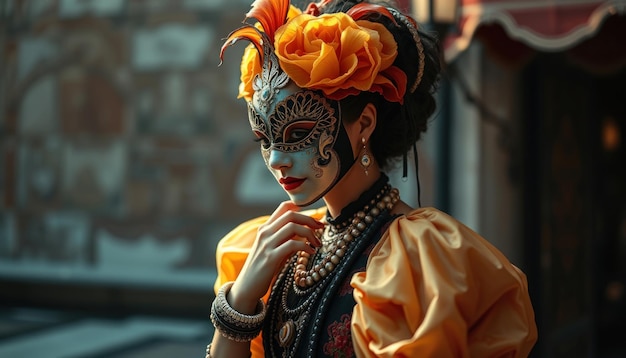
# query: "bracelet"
234,325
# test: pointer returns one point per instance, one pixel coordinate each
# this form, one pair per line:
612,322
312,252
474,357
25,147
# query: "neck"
350,187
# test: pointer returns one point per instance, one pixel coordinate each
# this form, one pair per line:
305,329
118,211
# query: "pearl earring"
366,161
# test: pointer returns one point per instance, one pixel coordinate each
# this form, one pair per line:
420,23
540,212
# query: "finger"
284,207
295,217
293,231
290,247
288,218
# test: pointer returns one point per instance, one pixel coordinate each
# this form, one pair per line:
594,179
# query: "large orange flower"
338,53
340,56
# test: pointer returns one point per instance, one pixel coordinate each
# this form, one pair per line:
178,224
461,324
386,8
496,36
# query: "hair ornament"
315,9
412,27
339,54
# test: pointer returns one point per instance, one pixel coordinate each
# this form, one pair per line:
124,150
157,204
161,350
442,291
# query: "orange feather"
248,32
270,13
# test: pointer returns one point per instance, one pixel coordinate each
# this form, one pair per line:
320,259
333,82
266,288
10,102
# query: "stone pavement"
32,332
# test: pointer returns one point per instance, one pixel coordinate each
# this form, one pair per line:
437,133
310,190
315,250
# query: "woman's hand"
286,232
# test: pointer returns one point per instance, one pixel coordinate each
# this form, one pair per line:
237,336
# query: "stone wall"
123,146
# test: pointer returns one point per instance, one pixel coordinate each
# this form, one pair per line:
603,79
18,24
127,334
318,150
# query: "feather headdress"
340,54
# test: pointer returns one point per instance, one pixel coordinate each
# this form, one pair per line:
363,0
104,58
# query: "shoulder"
424,230
429,247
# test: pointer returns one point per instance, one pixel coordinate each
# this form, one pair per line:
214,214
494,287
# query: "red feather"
361,10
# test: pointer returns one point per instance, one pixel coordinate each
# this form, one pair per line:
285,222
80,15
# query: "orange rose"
391,80
293,12
339,56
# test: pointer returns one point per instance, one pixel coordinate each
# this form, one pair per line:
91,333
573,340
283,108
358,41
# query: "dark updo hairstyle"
398,126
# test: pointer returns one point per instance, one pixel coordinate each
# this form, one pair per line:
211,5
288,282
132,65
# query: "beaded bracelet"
234,325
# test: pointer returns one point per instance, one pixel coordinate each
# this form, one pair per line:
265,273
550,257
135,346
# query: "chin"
302,202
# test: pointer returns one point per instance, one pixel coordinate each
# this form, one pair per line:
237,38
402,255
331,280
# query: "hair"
398,126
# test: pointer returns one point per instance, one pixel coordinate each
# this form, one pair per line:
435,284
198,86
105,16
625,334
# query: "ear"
367,121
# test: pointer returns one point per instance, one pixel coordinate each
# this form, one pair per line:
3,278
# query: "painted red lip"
290,183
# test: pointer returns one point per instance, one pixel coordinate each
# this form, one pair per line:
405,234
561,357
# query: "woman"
334,94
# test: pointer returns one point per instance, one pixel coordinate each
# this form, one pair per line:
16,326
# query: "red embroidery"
340,344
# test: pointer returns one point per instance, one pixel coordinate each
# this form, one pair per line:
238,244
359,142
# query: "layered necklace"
336,239
306,277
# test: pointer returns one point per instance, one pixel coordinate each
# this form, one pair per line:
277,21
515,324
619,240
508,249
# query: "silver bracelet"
234,325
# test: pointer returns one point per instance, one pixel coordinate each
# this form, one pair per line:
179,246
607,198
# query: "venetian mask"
303,141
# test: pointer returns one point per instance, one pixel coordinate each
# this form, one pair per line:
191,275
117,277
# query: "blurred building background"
533,146
125,156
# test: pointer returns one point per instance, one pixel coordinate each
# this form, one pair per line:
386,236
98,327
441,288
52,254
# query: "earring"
366,161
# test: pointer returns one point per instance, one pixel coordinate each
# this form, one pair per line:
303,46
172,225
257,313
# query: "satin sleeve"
232,252
435,288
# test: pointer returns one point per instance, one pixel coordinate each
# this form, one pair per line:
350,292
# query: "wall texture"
123,148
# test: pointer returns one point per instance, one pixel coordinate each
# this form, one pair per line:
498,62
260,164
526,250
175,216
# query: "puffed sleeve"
435,288
232,252
230,255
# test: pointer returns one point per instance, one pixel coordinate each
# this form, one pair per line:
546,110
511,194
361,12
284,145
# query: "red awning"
544,25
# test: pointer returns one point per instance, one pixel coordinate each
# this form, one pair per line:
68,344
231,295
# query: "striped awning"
544,25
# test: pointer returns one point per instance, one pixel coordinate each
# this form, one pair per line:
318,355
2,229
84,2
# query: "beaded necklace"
339,237
306,280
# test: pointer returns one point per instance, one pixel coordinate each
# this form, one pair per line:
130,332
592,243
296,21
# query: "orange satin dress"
432,288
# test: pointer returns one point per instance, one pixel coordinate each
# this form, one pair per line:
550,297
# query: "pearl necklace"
339,240
288,321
